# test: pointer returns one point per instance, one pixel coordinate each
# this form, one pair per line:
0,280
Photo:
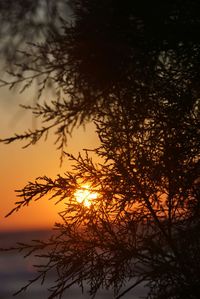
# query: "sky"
19,166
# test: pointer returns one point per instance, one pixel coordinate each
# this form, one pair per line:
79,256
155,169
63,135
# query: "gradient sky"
18,166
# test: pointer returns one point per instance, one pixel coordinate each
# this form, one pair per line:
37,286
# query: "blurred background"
18,166
21,24
16,270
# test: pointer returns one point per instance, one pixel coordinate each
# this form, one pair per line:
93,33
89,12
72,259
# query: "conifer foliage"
133,69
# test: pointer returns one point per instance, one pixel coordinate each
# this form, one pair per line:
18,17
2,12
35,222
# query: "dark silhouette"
134,70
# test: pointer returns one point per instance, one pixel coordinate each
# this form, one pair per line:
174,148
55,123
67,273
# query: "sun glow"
85,195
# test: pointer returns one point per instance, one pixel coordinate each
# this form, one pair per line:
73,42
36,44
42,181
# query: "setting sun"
85,195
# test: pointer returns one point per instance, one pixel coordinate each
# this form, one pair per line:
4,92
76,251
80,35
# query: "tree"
25,22
141,89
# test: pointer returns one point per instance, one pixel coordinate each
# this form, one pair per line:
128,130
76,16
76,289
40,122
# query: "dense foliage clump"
133,69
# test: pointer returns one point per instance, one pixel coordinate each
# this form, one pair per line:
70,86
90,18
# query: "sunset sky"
18,166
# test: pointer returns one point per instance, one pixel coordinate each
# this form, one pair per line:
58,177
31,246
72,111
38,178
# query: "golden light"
85,195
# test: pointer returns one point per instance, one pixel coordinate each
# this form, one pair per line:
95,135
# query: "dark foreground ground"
15,271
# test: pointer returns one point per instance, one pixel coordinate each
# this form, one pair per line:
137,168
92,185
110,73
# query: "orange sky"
18,166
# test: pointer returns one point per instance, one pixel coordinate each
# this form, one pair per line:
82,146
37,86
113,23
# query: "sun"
85,195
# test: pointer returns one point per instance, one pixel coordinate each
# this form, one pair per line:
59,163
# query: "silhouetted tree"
134,70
